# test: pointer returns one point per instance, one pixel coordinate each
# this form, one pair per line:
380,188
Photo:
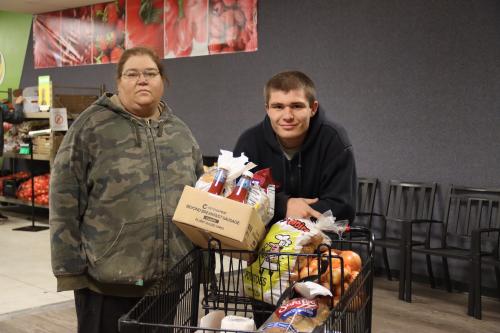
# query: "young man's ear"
314,108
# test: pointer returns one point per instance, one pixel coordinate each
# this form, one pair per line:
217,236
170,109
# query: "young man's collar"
289,152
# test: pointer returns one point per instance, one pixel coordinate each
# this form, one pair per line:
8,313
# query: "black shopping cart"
218,279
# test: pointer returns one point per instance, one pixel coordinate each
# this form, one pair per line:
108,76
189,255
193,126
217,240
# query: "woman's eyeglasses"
133,75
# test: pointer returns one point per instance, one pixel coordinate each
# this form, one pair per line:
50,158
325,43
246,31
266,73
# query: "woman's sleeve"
68,202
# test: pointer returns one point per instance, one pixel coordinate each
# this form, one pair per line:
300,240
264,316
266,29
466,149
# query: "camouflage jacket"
115,183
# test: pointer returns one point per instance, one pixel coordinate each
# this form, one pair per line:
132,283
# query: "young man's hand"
300,207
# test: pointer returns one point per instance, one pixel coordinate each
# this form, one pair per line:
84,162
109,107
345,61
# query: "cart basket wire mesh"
213,279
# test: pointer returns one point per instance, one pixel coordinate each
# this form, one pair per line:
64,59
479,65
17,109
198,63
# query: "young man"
310,157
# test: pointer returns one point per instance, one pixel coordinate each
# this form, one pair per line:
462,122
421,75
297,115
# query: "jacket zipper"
148,121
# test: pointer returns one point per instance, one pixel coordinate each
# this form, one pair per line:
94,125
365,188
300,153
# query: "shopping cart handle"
356,234
359,231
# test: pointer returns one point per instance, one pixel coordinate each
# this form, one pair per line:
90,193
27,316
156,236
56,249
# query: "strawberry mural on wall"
98,34
232,26
46,36
186,30
76,36
145,24
109,31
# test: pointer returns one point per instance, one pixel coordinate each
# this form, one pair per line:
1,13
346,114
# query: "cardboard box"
201,215
41,144
74,104
57,138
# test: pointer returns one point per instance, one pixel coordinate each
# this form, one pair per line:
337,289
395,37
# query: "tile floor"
28,288
26,279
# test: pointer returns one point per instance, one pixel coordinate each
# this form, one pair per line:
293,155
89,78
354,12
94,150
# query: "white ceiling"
42,6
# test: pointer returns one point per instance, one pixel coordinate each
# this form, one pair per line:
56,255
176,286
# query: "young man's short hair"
291,80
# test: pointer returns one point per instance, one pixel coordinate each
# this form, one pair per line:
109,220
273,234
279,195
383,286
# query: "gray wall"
415,83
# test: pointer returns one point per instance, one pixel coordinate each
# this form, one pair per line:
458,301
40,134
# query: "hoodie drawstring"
299,166
285,167
160,129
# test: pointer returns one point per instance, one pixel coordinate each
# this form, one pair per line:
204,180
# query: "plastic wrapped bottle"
219,181
240,192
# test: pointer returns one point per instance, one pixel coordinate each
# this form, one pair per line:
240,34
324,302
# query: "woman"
115,184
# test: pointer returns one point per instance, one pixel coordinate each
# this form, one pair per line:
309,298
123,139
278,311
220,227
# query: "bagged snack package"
270,274
297,315
264,178
262,194
206,179
328,223
303,311
263,201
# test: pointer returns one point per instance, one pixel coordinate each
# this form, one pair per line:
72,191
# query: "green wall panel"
14,34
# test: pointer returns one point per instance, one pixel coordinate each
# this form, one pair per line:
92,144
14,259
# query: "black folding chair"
470,232
482,257
406,203
365,203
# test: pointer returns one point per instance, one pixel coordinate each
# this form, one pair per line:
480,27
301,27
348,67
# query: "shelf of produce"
36,157
20,202
36,115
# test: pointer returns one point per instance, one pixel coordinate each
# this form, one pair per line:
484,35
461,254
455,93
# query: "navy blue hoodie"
324,167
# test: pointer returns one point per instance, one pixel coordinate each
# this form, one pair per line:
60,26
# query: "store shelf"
36,115
19,202
36,157
75,102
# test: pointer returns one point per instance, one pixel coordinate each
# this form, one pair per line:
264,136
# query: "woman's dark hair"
137,51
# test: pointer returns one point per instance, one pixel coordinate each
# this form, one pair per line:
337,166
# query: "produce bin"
212,279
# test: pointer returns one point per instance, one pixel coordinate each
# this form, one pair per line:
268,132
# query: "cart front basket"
219,279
